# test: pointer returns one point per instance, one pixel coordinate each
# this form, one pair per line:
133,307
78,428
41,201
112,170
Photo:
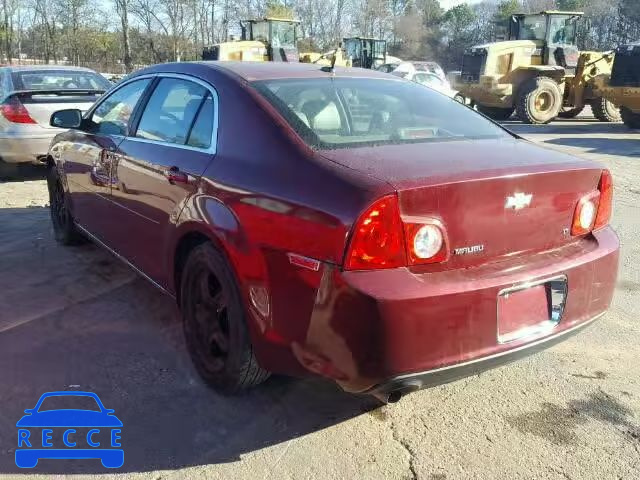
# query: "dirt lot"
75,316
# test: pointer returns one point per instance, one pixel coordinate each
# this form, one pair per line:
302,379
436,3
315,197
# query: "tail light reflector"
381,238
14,111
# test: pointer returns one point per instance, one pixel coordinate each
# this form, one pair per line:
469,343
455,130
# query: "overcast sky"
450,3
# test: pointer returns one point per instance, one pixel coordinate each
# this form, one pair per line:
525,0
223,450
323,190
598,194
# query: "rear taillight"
381,238
14,111
606,200
594,209
377,240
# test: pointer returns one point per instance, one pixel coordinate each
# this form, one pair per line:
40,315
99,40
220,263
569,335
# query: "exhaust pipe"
388,397
395,395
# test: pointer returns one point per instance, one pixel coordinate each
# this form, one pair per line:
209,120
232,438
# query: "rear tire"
572,113
604,110
539,101
215,323
630,119
495,113
64,228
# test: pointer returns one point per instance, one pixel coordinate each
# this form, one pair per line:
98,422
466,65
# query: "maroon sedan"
347,224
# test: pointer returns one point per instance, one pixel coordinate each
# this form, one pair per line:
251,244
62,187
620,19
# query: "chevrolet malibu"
340,223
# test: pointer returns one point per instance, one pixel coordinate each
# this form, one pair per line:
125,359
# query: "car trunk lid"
41,104
496,198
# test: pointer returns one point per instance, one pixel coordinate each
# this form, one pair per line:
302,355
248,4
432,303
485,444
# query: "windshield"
260,31
59,80
283,35
348,112
532,27
66,402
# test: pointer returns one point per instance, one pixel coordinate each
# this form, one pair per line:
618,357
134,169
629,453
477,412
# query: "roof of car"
251,71
22,68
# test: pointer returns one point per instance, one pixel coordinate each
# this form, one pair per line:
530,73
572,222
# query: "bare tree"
122,7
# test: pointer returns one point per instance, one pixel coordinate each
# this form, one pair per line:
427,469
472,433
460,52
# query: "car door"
88,152
159,165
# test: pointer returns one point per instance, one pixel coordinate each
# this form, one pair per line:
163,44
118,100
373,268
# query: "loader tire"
604,110
630,119
495,113
539,101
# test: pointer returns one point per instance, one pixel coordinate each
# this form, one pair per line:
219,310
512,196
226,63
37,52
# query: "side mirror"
71,118
29,410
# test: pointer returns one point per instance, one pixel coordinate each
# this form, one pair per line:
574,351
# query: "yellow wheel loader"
538,72
263,40
352,52
622,87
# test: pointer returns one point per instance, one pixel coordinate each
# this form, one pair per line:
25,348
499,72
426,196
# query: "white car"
429,79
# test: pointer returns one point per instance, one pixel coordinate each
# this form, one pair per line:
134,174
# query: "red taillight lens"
14,111
381,239
377,240
606,200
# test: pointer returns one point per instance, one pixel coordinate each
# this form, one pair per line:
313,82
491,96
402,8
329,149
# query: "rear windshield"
348,112
58,80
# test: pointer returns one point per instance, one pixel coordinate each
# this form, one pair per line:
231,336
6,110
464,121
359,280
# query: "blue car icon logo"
89,431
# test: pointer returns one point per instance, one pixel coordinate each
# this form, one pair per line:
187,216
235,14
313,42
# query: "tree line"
121,35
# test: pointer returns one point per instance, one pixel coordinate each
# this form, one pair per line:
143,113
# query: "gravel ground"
75,316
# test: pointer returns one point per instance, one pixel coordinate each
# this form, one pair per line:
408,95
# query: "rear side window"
112,116
171,111
202,129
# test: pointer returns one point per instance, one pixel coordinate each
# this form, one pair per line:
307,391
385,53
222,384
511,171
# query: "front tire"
64,229
630,119
604,110
539,101
496,113
215,323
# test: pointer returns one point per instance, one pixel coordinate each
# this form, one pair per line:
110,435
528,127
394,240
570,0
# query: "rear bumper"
381,328
25,149
404,384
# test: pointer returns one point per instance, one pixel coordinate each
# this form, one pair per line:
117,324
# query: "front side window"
562,30
112,116
349,112
171,110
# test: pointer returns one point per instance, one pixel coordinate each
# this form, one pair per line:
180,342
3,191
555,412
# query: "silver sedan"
28,97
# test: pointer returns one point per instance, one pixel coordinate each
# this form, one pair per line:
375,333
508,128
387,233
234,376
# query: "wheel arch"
191,236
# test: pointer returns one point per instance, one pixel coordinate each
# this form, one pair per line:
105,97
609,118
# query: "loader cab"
554,34
365,52
262,40
278,35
